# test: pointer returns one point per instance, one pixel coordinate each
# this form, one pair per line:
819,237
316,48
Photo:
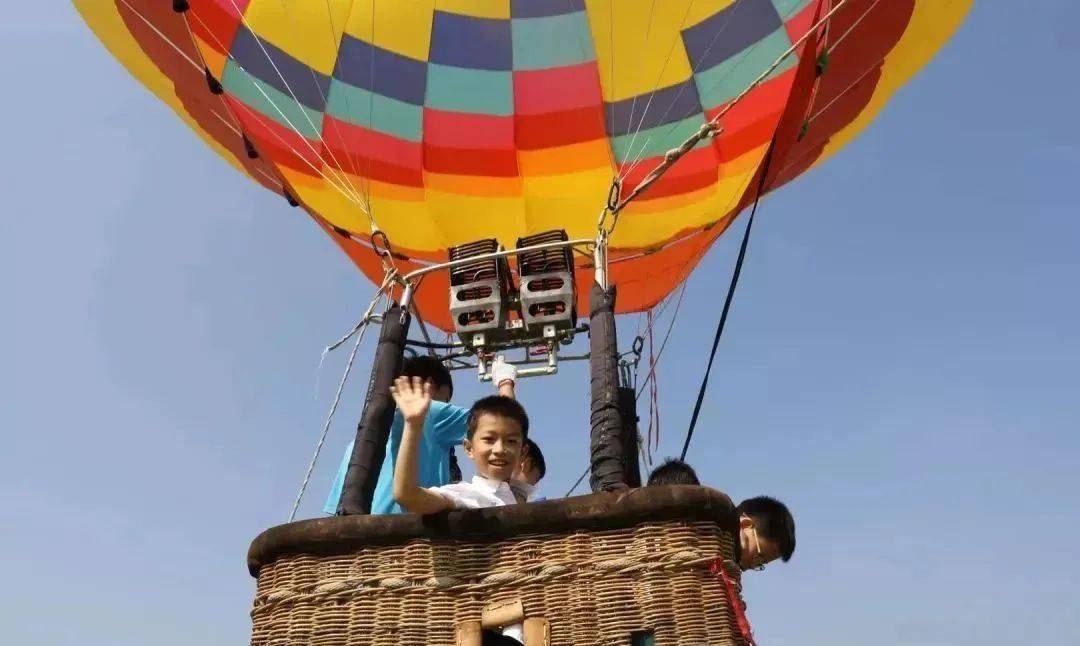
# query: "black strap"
727,301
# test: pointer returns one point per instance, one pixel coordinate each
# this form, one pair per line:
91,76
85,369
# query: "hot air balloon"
598,143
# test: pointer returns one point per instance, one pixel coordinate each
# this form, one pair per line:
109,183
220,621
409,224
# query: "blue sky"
900,365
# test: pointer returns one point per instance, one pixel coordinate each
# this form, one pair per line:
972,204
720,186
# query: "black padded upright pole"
606,437
369,449
628,409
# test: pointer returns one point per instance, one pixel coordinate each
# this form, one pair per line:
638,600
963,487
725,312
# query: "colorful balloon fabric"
447,121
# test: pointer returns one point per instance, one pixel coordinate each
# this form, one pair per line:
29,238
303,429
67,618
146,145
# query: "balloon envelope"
447,121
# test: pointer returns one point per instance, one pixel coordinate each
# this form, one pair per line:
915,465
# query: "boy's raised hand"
413,398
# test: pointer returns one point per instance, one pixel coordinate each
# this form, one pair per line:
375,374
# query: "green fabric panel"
468,90
552,41
725,81
374,111
788,8
270,101
658,140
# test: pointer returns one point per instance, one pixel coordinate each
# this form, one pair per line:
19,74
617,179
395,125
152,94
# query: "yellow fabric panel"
572,201
462,218
477,8
405,221
641,48
639,229
403,27
308,31
649,222
932,24
322,197
673,201
105,21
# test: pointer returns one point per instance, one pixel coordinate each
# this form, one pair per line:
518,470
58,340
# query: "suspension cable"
359,330
712,128
727,301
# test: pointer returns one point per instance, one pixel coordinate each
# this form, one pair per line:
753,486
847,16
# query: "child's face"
756,550
495,447
527,472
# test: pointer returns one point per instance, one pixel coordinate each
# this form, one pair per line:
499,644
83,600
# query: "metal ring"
613,194
383,249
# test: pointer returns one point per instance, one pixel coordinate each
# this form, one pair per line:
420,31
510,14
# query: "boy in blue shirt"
444,428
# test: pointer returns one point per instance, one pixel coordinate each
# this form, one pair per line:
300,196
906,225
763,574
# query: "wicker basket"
599,569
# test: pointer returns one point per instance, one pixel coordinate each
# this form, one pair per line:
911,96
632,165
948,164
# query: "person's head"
673,472
431,369
532,466
497,431
766,532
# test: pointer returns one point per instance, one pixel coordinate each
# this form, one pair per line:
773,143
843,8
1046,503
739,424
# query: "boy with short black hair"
533,467
766,527
766,532
444,428
673,472
497,431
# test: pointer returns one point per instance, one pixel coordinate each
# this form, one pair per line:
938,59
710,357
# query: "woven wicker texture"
595,587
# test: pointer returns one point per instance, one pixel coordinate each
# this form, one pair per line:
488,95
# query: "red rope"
734,601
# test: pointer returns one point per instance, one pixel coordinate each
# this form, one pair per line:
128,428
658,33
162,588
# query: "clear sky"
901,364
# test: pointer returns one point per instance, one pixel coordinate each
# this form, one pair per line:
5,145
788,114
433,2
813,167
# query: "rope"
579,481
352,162
318,131
732,12
667,335
652,440
360,327
331,181
652,93
727,301
711,127
360,198
850,29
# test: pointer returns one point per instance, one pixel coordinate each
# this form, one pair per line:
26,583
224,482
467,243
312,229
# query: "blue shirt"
444,428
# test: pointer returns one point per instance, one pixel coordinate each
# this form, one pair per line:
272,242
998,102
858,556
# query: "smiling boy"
497,429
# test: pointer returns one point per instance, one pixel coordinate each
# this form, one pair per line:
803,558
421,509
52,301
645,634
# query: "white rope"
852,27
639,158
663,344
364,179
234,126
652,94
364,184
710,127
161,35
348,196
780,59
633,104
303,110
360,327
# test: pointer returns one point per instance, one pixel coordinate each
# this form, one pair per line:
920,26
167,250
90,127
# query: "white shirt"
481,493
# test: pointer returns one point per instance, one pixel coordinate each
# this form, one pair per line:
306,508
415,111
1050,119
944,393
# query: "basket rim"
339,535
